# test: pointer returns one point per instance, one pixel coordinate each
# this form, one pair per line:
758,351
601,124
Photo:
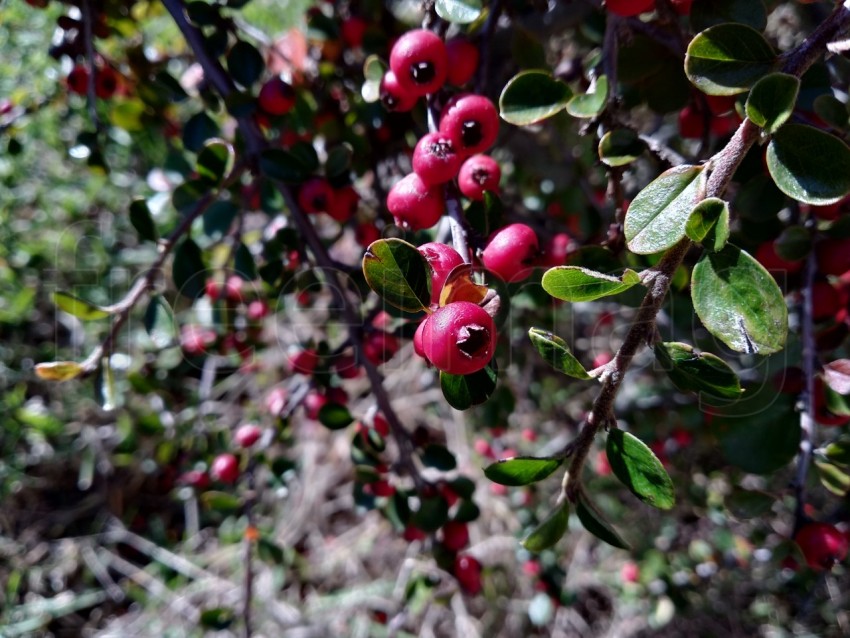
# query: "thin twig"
88,37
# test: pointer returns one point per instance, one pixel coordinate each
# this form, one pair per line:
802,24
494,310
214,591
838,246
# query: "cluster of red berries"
106,81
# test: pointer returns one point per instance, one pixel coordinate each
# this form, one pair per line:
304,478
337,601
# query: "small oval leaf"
555,352
77,307
335,416
591,103
188,270
639,469
771,101
708,13
549,531
58,370
620,147
142,221
573,283
596,524
215,160
708,224
692,371
160,324
399,273
245,63
532,96
521,470
465,391
458,11
285,166
728,59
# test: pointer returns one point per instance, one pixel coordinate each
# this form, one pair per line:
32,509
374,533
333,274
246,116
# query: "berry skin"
463,60
479,174
380,347
415,205
767,256
233,289
629,8
366,233
833,256
442,259
196,339
276,97
435,158
246,435
78,80
304,361
468,573
418,347
344,204
257,309
394,96
826,301
352,31
473,121
630,572
557,249
691,123
419,61
455,536
682,7
459,338
313,403
225,468
823,545
316,196
512,252
105,83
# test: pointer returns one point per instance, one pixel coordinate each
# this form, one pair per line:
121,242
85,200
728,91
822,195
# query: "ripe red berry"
479,174
413,534
418,347
275,401
833,256
468,573
346,367
436,159
381,487
414,204
313,403
629,8
455,536
767,256
105,82
212,289
246,435
394,96
473,121
304,361
682,7
316,196
822,544
630,572
512,252
225,468
337,395
419,61
78,80
720,104
459,338
443,259
343,205
276,97
352,31
195,478
366,233
257,309
233,288
462,59
380,347
557,249
691,123
196,339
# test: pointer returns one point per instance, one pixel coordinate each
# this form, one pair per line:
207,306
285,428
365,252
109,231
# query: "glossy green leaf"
202,13
465,391
197,130
832,111
215,160
771,101
188,270
521,470
693,371
658,216
550,531
591,103
335,416
739,302
218,218
728,59
556,353
284,165
747,504
77,307
439,457
809,165
186,196
708,224
458,11
838,452
159,323
245,63
573,283
620,147
58,370
142,221
708,13
833,478
432,514
339,161
595,523
532,96
639,469
399,273
244,264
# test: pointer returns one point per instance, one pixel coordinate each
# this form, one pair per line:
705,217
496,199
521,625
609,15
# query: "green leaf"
747,504
832,111
639,469
728,59
833,478
197,130
620,147
458,11
339,160
794,243
708,13
188,270
809,165
217,619
186,196
77,307
58,370
218,218
140,218
245,63
244,264
549,531
708,224
698,372
465,391
432,514
555,352
595,523
739,302
658,216
335,416
591,103
215,160
439,457
159,323
838,452
532,96
221,501
399,273
771,101
573,283
521,470
284,165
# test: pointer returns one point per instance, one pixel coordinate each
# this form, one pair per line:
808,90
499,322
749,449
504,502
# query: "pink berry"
275,401
512,252
468,573
343,204
557,250
822,545
463,60
394,96
473,121
225,468
442,259
366,233
419,61
630,572
629,8
352,31
459,338
196,339
479,174
418,348
246,435
455,536
313,403
195,478
414,204
257,310
435,158
304,361
233,286
276,97
380,347
316,196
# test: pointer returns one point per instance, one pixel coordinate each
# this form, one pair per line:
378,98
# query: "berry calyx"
225,468
414,204
512,252
459,338
473,121
479,174
276,97
419,61
822,545
443,259
435,158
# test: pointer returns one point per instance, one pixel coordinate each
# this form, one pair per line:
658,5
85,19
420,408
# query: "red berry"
826,301
316,196
512,252
380,347
105,82
343,204
413,534
381,425
346,367
442,259
630,572
196,339
212,289
276,97
337,395
352,31
78,80
557,249
833,256
225,468
822,545
468,573
463,60
682,7
720,104
313,403
691,123
418,348
257,310
473,121
394,96
767,256
304,361
435,158
414,204
366,233
275,401
246,435
419,61
195,478
479,174
380,487
455,536
725,124
629,8
233,288
459,338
